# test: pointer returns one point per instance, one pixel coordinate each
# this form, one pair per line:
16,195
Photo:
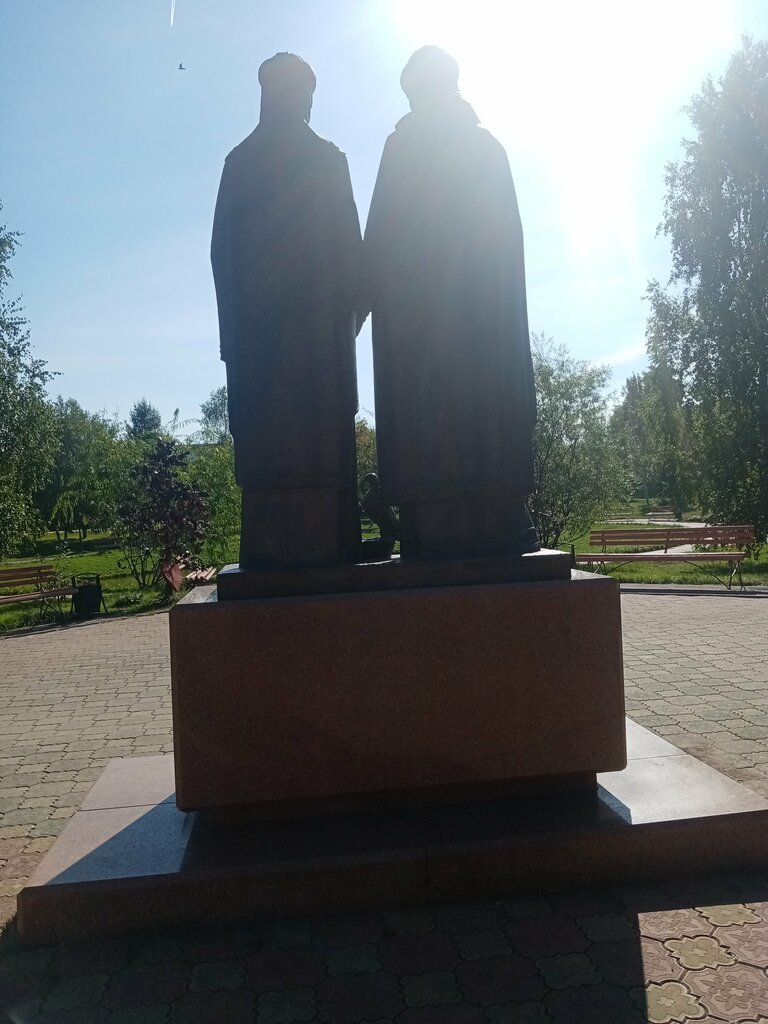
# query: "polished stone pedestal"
340,701
129,859
234,583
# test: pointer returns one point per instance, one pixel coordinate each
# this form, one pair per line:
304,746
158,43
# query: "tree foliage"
653,428
214,417
81,490
212,471
579,473
711,325
27,439
144,420
164,518
365,438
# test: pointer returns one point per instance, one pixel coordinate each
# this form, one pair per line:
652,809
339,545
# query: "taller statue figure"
445,279
285,254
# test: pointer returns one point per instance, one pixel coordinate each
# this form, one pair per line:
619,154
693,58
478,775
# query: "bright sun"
579,90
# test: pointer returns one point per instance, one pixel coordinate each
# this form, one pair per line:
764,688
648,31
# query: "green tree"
144,421
214,417
365,438
27,439
653,427
579,472
711,324
80,493
212,471
164,518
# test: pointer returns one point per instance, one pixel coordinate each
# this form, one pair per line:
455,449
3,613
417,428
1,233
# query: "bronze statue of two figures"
440,269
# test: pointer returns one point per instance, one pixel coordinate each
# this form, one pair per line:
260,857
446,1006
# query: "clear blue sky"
110,157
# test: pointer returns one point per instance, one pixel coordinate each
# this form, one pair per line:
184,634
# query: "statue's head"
430,75
287,84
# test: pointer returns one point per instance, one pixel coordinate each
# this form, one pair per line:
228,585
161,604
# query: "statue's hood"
453,109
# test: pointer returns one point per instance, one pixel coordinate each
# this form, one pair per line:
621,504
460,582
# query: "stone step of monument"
130,860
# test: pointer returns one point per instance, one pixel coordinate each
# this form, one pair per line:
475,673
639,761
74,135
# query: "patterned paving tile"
701,951
729,914
658,965
478,945
353,960
418,952
500,980
747,942
360,997
271,970
618,963
731,992
570,970
607,927
430,989
664,924
672,1002
602,1004
457,1013
546,936
286,1007
665,952
518,1013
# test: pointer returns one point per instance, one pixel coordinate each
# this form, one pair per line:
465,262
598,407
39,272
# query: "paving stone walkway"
696,673
682,950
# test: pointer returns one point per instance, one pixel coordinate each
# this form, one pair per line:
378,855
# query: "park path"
696,666
71,698
696,673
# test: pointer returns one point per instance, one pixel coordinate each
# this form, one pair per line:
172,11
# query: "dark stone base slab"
130,860
234,583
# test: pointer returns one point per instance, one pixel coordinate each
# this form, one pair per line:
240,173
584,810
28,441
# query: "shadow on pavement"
615,956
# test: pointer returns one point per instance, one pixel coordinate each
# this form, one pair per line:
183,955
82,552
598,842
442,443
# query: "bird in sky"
182,68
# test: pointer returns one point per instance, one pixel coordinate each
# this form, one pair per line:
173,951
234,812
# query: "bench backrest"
30,576
670,536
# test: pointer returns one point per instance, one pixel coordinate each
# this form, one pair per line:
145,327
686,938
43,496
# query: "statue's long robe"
285,254
444,276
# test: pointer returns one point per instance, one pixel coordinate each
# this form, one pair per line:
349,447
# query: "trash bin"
88,599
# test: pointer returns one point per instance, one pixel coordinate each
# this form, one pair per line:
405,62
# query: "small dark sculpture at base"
384,516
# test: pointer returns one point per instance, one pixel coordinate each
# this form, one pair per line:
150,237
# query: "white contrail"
173,11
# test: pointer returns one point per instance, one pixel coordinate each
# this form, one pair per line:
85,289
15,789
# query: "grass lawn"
121,594
753,571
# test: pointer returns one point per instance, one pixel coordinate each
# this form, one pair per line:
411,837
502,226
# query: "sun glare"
578,91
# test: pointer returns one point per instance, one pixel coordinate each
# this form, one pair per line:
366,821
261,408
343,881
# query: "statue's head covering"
430,75
287,84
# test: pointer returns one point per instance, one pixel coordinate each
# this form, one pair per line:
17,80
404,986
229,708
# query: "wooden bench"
199,576
661,512
172,574
41,578
659,540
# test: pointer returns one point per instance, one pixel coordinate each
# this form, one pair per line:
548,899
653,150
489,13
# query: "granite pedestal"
385,690
129,859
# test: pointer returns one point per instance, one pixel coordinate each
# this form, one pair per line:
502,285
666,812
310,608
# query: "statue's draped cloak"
445,278
285,254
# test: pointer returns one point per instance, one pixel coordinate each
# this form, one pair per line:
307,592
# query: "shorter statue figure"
445,279
383,515
285,253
